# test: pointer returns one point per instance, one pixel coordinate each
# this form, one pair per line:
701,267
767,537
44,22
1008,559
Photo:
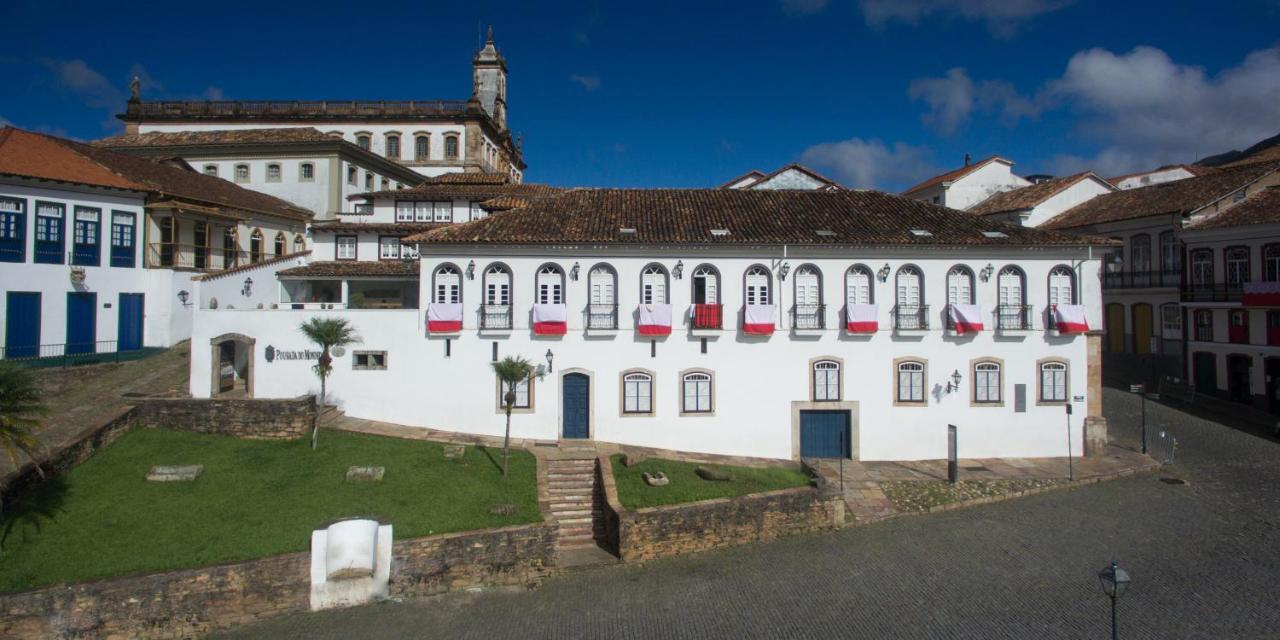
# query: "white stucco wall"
980,184
1080,192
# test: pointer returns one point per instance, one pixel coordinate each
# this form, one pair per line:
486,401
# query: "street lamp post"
1141,390
1114,582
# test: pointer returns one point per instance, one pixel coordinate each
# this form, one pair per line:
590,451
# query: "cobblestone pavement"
1204,559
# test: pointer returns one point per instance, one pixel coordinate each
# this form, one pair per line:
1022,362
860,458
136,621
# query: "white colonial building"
791,176
432,137
1033,205
99,250
773,324
1167,173
968,185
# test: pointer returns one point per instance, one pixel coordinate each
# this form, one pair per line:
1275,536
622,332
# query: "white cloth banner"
965,318
444,316
1070,318
550,319
759,318
862,317
655,319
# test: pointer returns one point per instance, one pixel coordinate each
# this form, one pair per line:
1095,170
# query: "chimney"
967,159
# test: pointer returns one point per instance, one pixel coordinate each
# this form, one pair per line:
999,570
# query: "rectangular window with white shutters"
444,211
389,248
858,287
346,247
404,211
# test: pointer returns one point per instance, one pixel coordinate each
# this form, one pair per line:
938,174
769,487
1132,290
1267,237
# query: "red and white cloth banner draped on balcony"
444,317
862,318
759,319
965,318
1070,318
1261,294
550,319
655,320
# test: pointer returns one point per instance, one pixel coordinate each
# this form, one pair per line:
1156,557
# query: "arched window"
910,382
960,285
986,383
422,146
1202,268
1011,312
497,285
808,297
857,285
230,248
393,146
451,146
273,172
637,393
550,285
242,173
1271,262
706,285
756,286
910,313
255,246
1062,288
447,285
279,244
298,244
1237,262
653,285
696,393
826,381
1170,257
1140,253
602,312
1053,382
362,140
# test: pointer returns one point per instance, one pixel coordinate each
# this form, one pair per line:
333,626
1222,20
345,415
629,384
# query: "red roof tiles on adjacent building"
34,155
1260,208
952,176
1028,197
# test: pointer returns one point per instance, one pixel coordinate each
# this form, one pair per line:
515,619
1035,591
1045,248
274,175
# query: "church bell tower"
489,81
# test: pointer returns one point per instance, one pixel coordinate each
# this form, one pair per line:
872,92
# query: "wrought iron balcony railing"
1212,292
602,316
1141,279
911,317
1014,317
809,316
495,316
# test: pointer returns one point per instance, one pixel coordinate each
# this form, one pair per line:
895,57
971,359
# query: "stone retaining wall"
243,418
183,604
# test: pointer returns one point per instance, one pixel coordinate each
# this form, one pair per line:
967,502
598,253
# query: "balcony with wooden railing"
173,255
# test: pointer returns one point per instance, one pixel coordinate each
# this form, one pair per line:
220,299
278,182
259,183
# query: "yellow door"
1142,329
1115,328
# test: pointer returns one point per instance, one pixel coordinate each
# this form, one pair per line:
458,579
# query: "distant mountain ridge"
1235,155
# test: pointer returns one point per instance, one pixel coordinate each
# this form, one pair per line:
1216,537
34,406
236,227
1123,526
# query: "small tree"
511,372
21,410
327,333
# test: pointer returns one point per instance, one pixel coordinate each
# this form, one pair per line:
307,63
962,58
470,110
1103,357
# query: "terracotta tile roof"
481,190
695,216
506,203
230,136
33,155
384,228
1027,197
1189,168
952,176
354,269
1260,208
1174,197
469,177
754,173
251,266
40,156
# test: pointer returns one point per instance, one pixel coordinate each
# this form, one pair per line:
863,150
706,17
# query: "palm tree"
21,410
511,372
328,333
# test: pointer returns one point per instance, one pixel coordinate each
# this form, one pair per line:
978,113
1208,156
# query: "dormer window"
921,233
719,233
995,234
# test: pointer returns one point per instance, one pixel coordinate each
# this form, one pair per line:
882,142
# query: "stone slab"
185,473
365,474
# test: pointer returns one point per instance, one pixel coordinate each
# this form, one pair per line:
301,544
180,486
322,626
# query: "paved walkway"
1204,559
81,399
866,499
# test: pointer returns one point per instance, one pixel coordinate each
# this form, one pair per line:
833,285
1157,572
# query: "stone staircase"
575,497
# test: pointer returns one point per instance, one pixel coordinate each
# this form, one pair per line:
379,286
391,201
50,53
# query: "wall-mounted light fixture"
986,272
883,273
183,296
954,384
550,358
247,289
784,270
471,270
678,272
573,272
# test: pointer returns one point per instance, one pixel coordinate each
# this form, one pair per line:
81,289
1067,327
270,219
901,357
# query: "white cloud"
79,78
590,83
870,163
953,98
803,7
1002,17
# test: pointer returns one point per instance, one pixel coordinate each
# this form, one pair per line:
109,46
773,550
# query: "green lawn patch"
686,486
254,499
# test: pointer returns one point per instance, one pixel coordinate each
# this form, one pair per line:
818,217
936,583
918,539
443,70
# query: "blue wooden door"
22,324
824,434
129,336
576,405
82,322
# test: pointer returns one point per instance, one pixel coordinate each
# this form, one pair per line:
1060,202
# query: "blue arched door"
576,405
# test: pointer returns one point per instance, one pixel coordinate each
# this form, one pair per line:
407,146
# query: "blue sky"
874,93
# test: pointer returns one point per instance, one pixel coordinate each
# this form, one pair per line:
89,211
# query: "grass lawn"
254,499
686,486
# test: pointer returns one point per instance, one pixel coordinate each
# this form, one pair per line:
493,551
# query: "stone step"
576,475
575,514
579,520
573,504
583,487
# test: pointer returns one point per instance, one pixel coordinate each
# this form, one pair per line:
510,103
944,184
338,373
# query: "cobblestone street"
1204,558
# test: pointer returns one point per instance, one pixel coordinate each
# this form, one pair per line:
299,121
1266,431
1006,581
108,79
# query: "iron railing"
198,258
294,108
495,316
708,316
1204,334
66,353
809,316
602,316
1141,279
911,317
1014,317
1214,292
